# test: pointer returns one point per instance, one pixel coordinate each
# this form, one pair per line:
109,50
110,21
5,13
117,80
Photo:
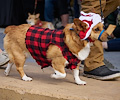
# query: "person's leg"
96,54
94,65
90,5
64,19
63,11
111,5
40,9
49,10
95,58
76,9
112,45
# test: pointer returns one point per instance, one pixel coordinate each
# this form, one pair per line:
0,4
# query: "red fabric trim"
82,34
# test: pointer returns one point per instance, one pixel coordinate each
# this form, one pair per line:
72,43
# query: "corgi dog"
33,19
63,49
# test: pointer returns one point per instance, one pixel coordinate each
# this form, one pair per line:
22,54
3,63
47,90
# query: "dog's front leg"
59,64
58,75
77,78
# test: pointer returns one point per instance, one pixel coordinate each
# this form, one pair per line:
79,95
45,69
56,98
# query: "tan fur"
58,61
33,19
14,44
72,40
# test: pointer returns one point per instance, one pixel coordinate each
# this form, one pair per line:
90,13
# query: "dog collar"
100,34
72,30
39,23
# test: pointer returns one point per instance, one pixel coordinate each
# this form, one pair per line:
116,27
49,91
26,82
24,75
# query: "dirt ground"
45,88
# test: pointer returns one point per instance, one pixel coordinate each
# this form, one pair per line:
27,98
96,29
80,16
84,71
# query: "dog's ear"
37,15
29,14
81,26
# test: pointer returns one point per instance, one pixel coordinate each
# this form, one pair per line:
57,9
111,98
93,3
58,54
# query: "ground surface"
45,88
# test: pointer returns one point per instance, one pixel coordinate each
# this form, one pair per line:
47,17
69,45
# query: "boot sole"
103,78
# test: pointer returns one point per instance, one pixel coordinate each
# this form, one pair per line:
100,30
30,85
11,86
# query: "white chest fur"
83,53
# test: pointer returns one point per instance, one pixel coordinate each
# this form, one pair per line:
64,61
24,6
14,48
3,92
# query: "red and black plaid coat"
37,42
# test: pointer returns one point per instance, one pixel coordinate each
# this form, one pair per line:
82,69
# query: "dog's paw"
79,82
58,76
26,78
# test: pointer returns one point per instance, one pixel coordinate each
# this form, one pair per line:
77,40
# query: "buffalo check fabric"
37,41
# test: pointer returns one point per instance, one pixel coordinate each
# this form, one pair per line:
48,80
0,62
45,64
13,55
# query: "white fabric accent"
95,18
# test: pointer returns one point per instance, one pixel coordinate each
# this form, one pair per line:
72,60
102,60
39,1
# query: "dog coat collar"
100,34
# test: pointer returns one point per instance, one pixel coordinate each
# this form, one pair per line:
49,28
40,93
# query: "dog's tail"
9,28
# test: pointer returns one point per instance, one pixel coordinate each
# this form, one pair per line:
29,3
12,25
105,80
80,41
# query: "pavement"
45,88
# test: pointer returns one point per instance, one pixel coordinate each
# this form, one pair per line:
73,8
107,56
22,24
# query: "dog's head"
90,25
33,18
97,32
74,37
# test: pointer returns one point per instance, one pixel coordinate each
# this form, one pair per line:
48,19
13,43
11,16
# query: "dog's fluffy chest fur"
83,53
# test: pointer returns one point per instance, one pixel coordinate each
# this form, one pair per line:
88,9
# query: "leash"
35,6
73,30
102,17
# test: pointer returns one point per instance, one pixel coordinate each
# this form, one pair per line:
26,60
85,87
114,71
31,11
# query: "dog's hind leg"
77,78
19,60
7,70
58,65
19,66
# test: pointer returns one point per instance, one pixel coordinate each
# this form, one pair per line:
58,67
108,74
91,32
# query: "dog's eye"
97,29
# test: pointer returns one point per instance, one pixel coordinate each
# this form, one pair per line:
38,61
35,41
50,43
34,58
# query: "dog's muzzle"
100,34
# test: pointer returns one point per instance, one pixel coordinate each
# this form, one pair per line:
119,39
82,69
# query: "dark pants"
113,45
59,7
11,12
15,12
